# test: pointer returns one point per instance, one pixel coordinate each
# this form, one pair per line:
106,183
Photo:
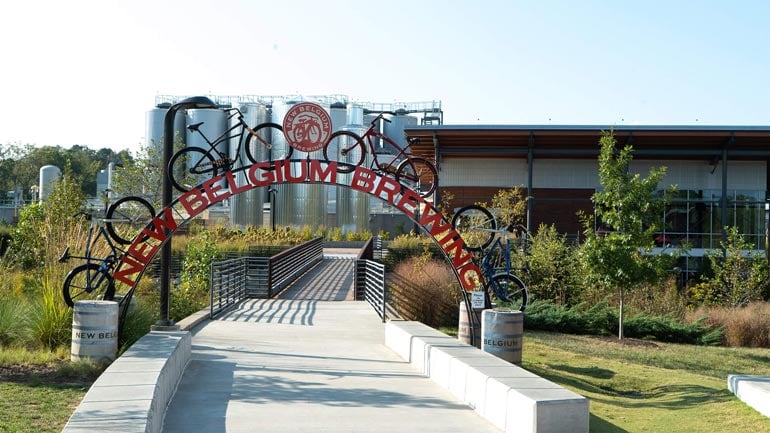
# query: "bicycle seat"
194,126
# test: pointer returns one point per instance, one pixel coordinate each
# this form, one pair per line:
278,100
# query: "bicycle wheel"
418,174
88,282
127,217
476,226
268,135
346,147
190,167
510,289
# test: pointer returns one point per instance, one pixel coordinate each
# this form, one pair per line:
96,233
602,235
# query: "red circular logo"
307,126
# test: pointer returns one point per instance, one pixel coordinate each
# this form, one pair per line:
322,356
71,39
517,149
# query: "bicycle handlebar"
84,213
381,116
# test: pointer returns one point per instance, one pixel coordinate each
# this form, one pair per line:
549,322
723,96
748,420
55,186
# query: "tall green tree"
629,212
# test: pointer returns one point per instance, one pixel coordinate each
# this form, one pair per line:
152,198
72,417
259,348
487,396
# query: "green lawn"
634,387
38,407
39,390
650,387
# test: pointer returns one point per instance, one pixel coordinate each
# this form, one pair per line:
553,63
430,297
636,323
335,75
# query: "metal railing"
286,266
234,280
228,284
370,285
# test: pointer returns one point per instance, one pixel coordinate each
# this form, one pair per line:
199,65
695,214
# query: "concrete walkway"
286,365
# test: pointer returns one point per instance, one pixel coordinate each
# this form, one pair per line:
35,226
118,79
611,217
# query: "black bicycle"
122,224
478,229
192,165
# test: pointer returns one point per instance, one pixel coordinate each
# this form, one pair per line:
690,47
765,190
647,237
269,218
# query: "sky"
86,72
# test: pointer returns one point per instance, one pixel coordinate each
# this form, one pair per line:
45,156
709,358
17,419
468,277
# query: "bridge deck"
304,363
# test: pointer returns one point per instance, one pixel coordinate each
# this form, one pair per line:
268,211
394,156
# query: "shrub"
14,321
425,290
140,318
747,326
408,246
553,267
738,278
601,319
52,319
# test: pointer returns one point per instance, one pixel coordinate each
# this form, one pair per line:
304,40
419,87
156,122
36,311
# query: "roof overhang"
582,141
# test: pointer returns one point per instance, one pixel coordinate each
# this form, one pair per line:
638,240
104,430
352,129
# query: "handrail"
227,284
370,285
233,280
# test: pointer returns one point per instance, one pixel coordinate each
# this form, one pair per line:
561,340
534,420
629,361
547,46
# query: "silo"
214,124
246,207
154,125
297,205
102,183
339,114
353,206
49,175
395,129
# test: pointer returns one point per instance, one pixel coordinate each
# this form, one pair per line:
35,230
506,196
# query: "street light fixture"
165,323
272,192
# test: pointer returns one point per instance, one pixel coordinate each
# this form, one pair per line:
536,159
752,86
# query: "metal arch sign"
190,204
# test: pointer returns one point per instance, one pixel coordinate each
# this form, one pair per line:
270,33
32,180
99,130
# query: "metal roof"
582,141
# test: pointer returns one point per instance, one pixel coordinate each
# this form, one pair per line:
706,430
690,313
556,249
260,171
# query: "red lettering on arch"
164,220
318,174
470,277
194,202
409,203
363,180
390,187
133,268
266,175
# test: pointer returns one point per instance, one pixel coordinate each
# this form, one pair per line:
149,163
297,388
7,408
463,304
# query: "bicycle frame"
371,134
491,266
91,242
221,159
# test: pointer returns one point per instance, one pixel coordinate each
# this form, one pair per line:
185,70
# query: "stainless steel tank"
297,205
49,175
154,125
246,208
339,114
353,207
395,128
214,124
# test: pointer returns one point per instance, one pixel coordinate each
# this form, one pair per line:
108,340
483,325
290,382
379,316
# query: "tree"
629,212
142,175
737,277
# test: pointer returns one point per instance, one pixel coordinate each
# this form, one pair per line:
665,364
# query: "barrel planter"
94,331
464,326
502,334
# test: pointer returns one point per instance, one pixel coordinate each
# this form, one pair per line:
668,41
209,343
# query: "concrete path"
304,363
286,365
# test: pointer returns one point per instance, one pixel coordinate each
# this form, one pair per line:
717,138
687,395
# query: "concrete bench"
752,390
510,397
131,395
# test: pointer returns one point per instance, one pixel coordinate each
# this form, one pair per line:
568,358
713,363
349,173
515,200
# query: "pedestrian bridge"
315,360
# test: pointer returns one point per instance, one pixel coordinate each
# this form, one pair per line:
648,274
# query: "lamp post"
767,231
164,322
272,193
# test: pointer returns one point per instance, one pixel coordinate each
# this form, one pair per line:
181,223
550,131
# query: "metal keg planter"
94,331
502,333
465,325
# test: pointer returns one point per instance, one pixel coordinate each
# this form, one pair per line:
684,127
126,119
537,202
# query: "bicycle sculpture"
121,224
413,172
192,165
491,249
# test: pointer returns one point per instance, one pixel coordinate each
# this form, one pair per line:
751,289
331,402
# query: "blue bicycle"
491,249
